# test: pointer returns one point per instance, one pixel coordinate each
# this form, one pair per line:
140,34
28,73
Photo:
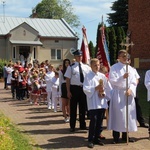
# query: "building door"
24,50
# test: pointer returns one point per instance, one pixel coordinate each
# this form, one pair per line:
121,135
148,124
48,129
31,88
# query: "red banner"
101,52
85,48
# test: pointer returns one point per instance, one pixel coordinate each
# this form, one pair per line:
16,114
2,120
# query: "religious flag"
85,48
102,53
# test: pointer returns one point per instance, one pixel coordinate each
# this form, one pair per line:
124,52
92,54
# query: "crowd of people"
89,89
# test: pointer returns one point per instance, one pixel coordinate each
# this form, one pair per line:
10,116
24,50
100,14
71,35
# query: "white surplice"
147,84
91,80
117,111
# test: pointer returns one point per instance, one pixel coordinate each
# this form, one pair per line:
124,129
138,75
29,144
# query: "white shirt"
72,72
91,80
48,78
147,84
9,72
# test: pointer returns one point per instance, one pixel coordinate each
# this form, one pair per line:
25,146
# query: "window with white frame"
56,54
14,52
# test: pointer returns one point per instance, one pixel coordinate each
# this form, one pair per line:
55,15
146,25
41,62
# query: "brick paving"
48,131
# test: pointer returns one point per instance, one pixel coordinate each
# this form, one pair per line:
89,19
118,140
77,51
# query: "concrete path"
48,130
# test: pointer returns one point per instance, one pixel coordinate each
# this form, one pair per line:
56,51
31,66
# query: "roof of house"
45,27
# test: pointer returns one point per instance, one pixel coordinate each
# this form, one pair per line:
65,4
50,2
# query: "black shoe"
115,141
72,130
130,140
90,145
144,125
83,128
102,137
99,142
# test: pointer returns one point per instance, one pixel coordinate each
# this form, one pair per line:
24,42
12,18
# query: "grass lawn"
11,138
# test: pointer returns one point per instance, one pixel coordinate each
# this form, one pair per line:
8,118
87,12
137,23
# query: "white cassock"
91,80
117,111
147,84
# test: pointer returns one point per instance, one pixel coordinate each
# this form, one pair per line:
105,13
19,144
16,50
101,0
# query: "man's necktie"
81,74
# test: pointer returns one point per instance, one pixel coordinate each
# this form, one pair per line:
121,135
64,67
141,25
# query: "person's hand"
128,93
69,95
126,75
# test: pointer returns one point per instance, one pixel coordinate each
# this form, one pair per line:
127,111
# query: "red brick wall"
139,25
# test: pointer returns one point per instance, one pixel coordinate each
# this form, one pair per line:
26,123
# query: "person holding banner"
117,110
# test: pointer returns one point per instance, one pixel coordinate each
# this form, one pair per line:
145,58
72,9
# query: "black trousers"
95,127
139,115
78,99
5,82
14,91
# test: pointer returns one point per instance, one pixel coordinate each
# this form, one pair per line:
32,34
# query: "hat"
77,53
21,69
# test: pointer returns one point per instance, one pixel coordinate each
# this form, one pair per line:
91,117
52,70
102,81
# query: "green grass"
11,138
145,105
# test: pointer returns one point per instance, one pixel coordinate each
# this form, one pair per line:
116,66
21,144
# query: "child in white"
55,92
48,79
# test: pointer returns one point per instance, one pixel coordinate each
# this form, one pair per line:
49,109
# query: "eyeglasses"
124,56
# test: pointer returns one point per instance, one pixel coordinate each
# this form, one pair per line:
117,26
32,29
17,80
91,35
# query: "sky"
90,13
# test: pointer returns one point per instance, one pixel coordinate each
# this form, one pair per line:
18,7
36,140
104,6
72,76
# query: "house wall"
2,48
24,32
44,52
139,25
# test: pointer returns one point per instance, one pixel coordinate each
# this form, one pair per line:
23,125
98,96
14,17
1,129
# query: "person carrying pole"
122,110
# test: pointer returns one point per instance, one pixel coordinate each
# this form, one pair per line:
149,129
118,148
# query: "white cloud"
92,8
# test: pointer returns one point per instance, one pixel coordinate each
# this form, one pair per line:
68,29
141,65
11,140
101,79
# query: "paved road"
48,131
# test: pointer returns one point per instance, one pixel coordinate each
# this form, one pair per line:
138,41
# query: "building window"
56,41
14,53
34,53
55,54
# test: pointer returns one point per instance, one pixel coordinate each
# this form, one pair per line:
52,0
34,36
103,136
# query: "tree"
120,36
56,9
112,46
91,49
119,17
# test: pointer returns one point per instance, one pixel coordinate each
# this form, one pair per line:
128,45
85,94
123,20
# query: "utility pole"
3,11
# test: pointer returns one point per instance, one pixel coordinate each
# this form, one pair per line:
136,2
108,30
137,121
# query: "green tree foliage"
119,17
91,49
112,46
120,36
107,36
56,9
97,37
